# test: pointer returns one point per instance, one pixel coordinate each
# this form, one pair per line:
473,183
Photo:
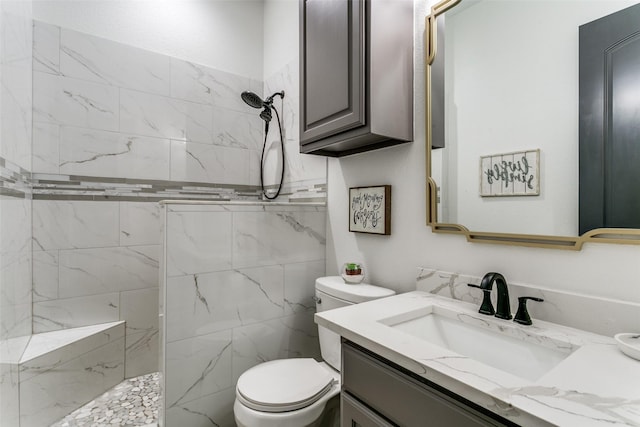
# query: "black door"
609,129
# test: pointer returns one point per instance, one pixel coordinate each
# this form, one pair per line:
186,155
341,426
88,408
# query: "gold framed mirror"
547,195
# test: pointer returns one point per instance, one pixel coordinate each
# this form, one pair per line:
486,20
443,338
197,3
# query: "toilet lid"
283,385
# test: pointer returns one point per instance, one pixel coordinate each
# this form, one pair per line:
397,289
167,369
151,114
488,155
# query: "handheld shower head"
266,114
252,100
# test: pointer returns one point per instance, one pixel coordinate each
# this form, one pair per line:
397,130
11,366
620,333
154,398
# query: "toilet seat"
284,385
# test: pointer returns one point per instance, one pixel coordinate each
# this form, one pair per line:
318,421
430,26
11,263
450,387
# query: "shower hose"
264,147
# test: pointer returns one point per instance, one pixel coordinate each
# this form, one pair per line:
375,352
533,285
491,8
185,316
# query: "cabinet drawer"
402,399
355,414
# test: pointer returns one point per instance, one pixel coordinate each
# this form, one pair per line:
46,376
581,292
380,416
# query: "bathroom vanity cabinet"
356,75
377,392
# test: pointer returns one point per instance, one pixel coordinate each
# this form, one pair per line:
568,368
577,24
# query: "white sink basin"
498,343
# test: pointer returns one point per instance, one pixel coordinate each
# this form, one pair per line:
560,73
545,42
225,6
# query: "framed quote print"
370,209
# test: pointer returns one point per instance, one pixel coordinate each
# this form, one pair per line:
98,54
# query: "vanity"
493,102
373,385
423,359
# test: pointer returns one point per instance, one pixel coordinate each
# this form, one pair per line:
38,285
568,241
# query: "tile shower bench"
60,371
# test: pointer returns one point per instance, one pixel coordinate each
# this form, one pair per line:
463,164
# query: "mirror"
503,99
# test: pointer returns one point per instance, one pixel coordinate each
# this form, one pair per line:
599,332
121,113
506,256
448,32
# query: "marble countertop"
595,385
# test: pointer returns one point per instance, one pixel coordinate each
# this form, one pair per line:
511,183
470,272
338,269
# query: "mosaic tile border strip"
71,187
14,180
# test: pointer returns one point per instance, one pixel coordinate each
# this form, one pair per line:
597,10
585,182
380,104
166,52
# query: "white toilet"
296,392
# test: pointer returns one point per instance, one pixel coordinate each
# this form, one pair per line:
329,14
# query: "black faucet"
503,308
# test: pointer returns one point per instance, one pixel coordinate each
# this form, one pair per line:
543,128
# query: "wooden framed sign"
510,174
370,209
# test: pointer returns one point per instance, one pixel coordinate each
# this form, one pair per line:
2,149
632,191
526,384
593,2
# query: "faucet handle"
522,316
486,307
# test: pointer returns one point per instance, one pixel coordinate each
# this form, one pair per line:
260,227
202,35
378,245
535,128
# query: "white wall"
611,271
515,93
281,29
222,34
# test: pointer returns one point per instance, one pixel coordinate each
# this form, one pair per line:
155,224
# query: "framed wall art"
510,174
370,209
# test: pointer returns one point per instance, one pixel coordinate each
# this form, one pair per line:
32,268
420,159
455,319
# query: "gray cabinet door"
609,117
401,399
332,50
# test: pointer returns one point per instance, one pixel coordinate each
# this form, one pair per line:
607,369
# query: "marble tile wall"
15,199
15,167
153,117
96,262
237,291
106,109
15,81
116,129
85,362
564,308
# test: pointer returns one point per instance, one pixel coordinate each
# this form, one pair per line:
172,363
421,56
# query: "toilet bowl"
285,393
301,392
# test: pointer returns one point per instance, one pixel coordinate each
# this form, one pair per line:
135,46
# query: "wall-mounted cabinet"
356,75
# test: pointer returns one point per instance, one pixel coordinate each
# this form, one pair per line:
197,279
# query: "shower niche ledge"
356,74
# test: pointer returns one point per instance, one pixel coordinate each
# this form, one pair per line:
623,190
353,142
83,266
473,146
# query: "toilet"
302,391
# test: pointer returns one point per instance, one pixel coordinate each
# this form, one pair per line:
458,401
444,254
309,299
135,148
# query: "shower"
253,100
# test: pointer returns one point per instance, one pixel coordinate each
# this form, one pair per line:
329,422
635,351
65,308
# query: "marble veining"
237,130
151,117
58,99
83,376
221,318
201,242
206,85
94,157
215,410
595,385
103,270
46,47
15,198
74,225
195,162
141,352
198,366
87,57
558,307
45,153
301,228
100,153
611,410
199,295
74,312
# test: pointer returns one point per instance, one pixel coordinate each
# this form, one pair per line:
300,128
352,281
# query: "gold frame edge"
622,236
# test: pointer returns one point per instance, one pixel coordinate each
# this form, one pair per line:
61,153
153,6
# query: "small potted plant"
352,269
352,272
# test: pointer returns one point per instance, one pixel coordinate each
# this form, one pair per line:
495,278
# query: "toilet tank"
331,293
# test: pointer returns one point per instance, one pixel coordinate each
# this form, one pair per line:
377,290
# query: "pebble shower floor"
133,402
